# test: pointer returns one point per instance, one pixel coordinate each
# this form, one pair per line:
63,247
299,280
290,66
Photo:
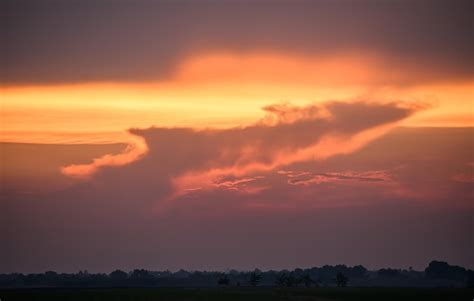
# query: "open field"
237,294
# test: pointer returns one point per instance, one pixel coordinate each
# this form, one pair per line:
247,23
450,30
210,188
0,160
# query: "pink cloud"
182,160
308,178
136,149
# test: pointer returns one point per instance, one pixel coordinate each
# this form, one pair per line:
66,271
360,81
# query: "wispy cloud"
136,149
307,178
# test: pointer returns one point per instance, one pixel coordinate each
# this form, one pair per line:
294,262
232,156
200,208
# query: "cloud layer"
79,41
193,160
397,202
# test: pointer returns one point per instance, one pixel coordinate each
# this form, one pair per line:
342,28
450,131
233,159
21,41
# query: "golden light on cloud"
135,150
218,90
328,146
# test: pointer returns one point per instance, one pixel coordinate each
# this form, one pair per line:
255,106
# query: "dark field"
192,294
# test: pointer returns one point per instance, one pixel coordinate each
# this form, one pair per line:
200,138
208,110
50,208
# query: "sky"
212,135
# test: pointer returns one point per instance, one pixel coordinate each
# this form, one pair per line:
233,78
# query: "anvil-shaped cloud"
187,160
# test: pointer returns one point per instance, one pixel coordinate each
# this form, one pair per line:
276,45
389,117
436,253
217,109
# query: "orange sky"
175,132
222,90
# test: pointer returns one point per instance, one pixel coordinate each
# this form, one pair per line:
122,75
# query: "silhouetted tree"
223,280
51,277
280,279
442,270
118,275
358,271
142,277
287,280
341,280
255,278
388,273
307,280
317,282
291,281
470,278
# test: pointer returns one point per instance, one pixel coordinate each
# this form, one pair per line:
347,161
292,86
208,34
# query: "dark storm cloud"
73,41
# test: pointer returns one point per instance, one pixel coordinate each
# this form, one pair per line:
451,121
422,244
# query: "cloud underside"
64,41
183,161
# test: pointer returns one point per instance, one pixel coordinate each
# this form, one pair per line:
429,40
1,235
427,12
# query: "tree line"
437,273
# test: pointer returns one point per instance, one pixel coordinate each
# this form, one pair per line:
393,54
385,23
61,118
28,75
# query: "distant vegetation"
437,274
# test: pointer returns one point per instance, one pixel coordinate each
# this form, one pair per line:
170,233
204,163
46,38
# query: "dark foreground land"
237,294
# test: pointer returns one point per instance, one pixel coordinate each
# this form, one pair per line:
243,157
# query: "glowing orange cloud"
220,90
134,151
329,145
321,131
344,128
224,90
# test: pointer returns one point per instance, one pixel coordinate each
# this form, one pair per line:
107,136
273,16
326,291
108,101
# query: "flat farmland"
236,294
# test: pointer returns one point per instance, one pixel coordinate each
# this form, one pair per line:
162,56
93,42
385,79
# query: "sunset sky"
235,134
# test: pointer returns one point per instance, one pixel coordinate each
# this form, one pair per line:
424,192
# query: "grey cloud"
77,41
